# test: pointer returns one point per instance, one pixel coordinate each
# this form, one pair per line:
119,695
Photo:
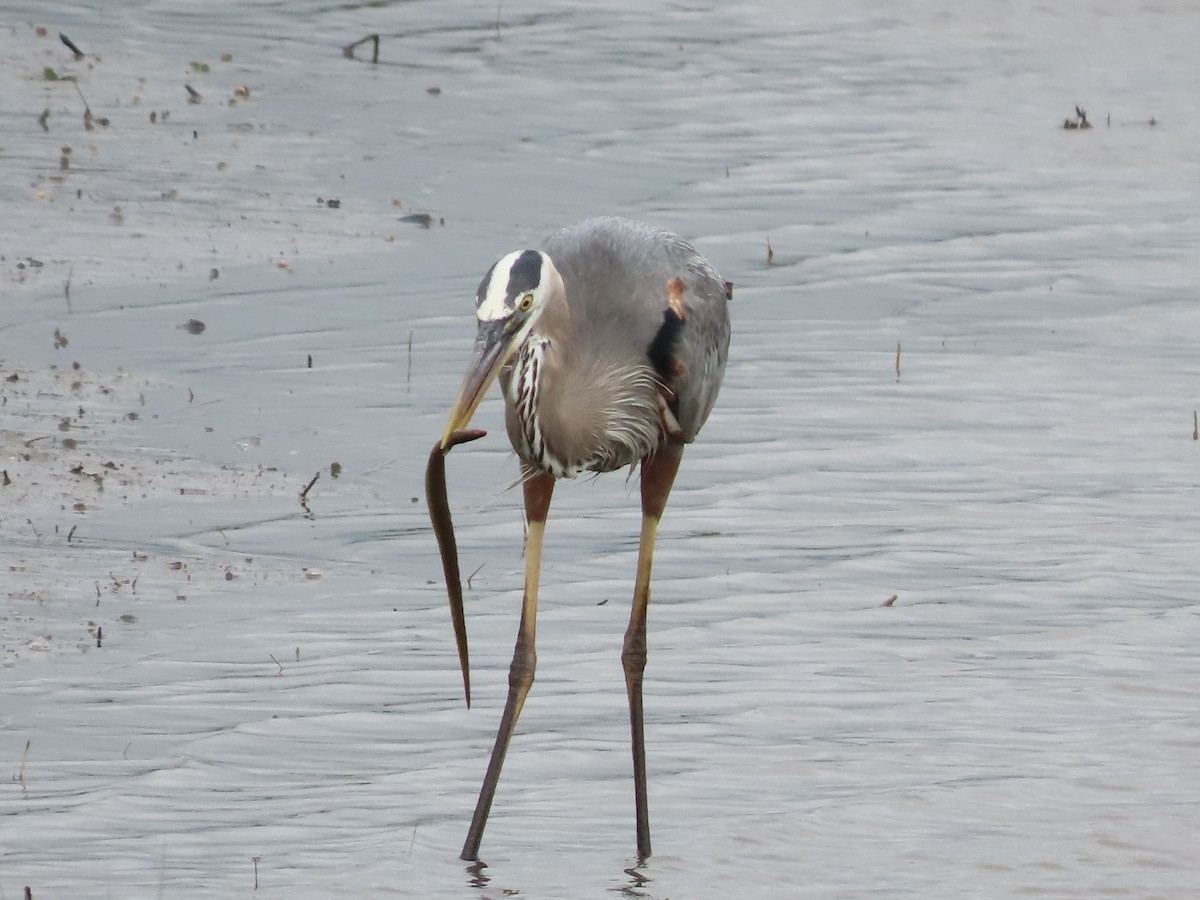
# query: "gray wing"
616,273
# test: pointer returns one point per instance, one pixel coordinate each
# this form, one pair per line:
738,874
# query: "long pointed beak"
494,346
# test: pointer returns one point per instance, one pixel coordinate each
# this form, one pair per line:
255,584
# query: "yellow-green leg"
538,489
658,474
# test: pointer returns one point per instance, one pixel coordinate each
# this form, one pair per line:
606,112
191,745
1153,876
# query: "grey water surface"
966,378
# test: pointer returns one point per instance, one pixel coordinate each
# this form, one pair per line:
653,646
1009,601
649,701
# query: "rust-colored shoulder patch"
675,297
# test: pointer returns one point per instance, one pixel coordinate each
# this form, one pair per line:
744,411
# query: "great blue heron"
610,346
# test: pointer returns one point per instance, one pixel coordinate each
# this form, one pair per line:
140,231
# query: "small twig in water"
473,574
21,770
348,50
308,487
1195,426
88,118
408,374
255,859
1079,123
897,360
277,662
86,109
890,600
70,45
770,253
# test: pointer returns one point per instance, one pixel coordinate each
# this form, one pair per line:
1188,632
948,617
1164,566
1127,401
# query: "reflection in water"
476,871
635,883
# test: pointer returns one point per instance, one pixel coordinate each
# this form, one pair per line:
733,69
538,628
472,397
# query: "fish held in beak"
494,345
443,528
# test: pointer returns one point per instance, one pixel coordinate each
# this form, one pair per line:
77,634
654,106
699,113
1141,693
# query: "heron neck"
587,408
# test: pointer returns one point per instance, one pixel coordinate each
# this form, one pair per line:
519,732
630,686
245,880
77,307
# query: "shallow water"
278,681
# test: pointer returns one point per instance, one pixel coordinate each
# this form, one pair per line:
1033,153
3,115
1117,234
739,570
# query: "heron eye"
526,303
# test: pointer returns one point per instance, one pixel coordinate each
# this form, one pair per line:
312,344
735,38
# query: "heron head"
511,298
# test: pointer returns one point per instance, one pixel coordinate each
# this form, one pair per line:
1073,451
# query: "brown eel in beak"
443,527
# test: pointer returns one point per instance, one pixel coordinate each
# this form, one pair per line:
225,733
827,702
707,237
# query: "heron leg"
538,488
658,474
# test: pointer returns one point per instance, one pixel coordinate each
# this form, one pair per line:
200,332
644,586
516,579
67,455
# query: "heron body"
610,344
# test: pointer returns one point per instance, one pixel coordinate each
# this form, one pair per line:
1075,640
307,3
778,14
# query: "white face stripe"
494,304
512,277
